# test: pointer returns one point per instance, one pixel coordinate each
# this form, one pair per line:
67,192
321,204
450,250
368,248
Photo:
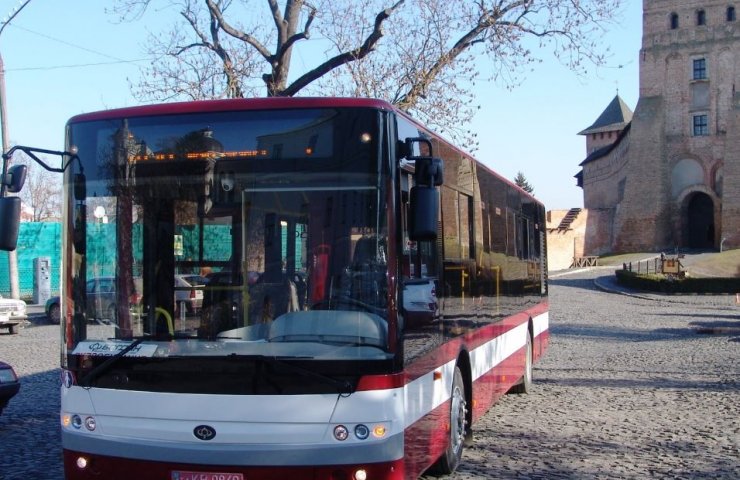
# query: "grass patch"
669,284
611,260
724,264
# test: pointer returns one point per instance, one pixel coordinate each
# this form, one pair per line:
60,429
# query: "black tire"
450,459
525,384
55,313
14,329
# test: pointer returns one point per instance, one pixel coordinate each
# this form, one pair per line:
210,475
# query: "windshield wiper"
344,387
340,343
95,372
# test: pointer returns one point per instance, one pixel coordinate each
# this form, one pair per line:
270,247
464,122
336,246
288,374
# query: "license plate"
182,475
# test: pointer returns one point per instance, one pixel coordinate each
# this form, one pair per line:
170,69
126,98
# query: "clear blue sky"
67,57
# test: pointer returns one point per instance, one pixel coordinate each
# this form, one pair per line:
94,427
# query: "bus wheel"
525,384
450,459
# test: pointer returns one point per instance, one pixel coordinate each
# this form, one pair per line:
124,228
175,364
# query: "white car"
419,301
12,313
189,292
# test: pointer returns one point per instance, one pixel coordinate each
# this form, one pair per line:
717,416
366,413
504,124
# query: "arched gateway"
700,228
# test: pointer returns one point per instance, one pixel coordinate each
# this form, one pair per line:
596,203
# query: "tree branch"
304,35
196,29
346,57
182,49
239,35
489,18
277,17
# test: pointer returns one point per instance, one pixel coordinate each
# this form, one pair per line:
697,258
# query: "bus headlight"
362,432
90,423
341,433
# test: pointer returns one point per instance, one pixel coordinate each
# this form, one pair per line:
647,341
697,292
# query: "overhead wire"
114,59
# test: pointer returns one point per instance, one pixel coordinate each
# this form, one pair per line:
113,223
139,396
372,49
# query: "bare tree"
422,55
42,193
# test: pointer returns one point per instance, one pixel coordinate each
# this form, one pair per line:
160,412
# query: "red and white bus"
368,292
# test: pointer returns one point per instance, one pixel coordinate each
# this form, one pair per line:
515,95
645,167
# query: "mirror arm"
31,152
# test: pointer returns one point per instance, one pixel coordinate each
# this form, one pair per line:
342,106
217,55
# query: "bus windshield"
255,233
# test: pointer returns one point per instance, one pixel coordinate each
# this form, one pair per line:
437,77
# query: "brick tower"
672,177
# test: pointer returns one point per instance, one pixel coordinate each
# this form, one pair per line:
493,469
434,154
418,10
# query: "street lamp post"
12,255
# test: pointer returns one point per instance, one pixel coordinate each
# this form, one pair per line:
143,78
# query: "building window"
701,17
674,21
700,69
701,125
731,14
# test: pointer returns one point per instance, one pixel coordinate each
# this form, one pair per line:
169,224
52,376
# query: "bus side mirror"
80,186
15,178
10,217
429,171
423,207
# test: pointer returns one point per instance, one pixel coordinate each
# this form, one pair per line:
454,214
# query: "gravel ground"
633,386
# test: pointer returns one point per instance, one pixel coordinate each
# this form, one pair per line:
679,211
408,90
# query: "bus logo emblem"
204,432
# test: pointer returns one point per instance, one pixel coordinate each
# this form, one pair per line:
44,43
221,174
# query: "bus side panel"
541,327
498,363
489,388
426,440
497,357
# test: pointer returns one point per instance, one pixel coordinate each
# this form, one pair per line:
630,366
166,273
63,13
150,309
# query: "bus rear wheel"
450,459
525,384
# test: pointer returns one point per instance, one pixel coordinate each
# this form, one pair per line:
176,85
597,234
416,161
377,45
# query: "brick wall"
731,182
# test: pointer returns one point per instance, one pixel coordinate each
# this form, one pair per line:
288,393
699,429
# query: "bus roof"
266,103
236,104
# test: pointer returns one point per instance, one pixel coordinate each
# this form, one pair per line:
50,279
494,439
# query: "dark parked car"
9,384
101,300
53,310
101,297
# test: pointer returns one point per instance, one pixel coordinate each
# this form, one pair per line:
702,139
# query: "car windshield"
257,233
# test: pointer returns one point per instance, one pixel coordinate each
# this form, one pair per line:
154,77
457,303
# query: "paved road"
628,389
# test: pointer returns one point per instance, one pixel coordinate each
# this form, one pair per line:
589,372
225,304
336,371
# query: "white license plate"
183,475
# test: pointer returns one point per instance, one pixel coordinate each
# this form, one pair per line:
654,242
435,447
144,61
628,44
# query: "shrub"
670,284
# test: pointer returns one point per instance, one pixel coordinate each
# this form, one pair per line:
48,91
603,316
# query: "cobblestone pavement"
631,387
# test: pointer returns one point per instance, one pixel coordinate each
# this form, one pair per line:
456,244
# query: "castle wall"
604,178
588,235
